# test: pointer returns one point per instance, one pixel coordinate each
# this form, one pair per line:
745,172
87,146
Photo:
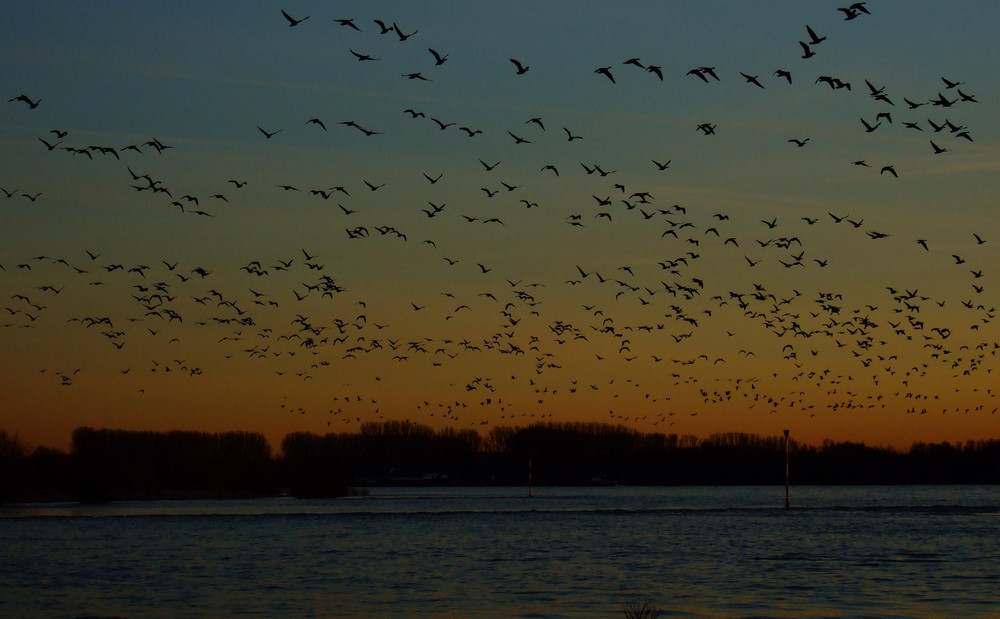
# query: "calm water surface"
475,552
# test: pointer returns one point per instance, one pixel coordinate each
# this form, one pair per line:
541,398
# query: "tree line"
106,464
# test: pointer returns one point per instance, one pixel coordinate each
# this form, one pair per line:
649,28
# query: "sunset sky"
215,220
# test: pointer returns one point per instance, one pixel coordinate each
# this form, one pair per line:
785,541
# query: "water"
492,552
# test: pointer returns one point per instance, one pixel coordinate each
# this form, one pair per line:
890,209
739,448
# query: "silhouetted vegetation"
641,610
107,465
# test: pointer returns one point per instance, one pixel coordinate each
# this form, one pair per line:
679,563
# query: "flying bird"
813,38
399,33
349,23
438,58
517,139
362,57
291,20
752,79
268,134
24,99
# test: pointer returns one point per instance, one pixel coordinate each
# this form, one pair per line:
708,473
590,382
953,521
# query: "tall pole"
787,477
529,477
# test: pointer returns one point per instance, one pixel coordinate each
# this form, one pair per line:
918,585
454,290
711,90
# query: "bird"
399,33
24,99
704,73
521,68
853,11
537,121
949,83
268,134
938,149
752,79
806,50
291,20
517,139
438,58
606,72
316,121
348,22
784,74
362,57
813,38
699,74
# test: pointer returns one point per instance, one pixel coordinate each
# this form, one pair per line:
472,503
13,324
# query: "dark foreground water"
573,552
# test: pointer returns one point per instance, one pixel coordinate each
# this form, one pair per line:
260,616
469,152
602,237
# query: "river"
494,552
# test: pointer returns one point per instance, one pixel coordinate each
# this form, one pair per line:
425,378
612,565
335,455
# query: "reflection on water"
494,552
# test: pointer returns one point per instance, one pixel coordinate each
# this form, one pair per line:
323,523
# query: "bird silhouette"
268,134
521,69
606,72
752,79
25,99
348,23
362,57
518,139
291,20
438,58
814,39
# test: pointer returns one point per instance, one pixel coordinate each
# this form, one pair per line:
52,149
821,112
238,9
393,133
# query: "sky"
214,220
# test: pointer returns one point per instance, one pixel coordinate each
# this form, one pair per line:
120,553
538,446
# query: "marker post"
529,478
787,478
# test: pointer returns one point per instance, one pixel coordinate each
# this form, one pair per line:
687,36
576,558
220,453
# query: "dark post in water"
787,504
529,478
